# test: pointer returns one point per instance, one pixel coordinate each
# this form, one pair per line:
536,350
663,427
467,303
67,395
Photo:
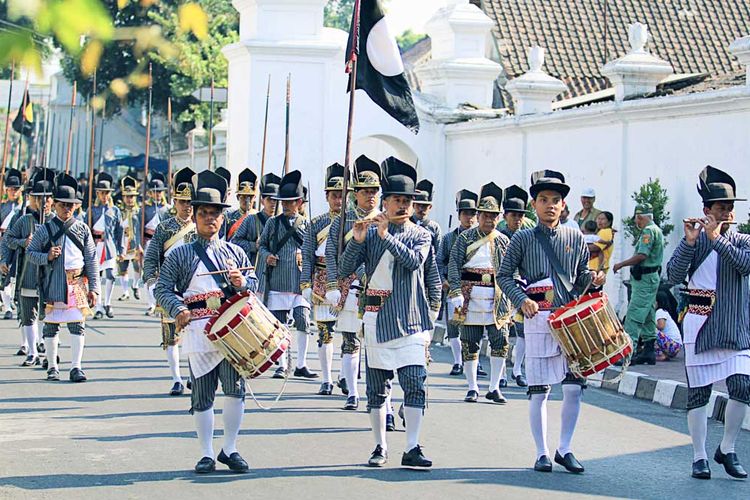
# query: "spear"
265,139
70,127
148,152
288,108
169,149
92,146
7,128
211,126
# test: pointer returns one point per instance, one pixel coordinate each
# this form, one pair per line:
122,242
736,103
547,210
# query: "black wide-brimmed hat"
368,174
269,185
398,178
335,177
42,183
717,185
103,182
210,189
129,186
424,192
227,175
490,199
290,187
246,182
548,180
158,182
66,190
466,200
183,184
515,199
13,178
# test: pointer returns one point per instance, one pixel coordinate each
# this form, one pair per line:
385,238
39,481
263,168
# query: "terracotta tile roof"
693,35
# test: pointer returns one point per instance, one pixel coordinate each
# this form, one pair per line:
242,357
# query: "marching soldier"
170,235
514,219
157,209
344,292
11,210
422,208
248,234
227,176
246,197
280,251
314,278
107,233
65,248
466,206
397,317
476,296
716,261
129,261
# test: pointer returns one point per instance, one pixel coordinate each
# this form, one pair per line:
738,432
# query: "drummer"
197,299
553,260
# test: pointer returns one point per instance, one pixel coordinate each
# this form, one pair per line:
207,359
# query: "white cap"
589,193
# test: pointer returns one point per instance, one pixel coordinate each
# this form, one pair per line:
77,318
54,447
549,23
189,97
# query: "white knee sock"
377,421
538,422
519,355
571,408
470,372
389,403
456,350
349,368
325,353
173,358
284,359
204,426
109,287
302,341
734,415
124,284
29,333
413,417
151,298
76,350
7,301
234,410
698,427
497,365
50,349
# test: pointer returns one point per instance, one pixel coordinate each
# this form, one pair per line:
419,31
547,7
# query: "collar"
212,243
361,213
547,230
180,221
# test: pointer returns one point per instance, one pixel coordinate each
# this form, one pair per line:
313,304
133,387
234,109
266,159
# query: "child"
589,232
668,337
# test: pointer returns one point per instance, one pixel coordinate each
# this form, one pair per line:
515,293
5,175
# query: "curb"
667,393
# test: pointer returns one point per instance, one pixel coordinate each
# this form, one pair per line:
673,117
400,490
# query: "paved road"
121,436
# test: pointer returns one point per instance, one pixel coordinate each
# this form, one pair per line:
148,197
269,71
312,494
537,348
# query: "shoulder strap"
218,278
291,232
64,229
543,240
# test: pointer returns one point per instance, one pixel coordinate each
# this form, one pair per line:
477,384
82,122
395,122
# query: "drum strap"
543,240
218,278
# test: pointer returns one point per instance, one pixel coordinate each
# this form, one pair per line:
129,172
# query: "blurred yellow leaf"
18,46
193,18
70,19
91,56
121,4
119,88
139,80
97,103
148,3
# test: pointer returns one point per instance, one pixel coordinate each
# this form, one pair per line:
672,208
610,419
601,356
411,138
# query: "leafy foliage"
744,227
338,14
409,39
653,193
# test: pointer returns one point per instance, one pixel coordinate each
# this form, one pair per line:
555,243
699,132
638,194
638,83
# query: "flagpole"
265,141
148,152
70,128
350,124
211,126
24,102
7,128
101,133
169,150
288,107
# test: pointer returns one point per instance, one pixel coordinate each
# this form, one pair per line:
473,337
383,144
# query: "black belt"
374,300
469,276
537,297
697,300
201,304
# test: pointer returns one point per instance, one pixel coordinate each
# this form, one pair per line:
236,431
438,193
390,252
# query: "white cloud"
411,14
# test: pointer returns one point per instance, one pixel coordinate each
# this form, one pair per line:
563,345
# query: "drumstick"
225,271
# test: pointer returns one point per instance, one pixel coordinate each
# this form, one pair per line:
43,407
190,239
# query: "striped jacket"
154,257
435,231
55,286
181,264
310,244
6,253
526,257
458,260
444,254
406,311
332,247
6,208
112,228
15,242
248,235
285,277
161,209
728,325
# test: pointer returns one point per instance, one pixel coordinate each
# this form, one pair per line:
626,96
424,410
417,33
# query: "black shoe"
570,462
456,371
480,371
8,315
40,348
390,423
543,464
521,381
647,355
378,458
352,403
136,294
701,470
326,389
77,375
124,296
100,315
234,461
415,458
177,389
31,360
53,374
304,373
496,397
342,385
731,464
205,465
503,383
108,312
472,397
22,351
189,385
150,311
279,373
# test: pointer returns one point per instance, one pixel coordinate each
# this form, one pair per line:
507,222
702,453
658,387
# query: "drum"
248,335
590,334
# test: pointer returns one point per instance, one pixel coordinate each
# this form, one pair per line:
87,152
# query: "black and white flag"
380,69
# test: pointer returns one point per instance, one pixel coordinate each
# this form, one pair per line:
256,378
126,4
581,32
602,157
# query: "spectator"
589,230
668,338
588,212
565,219
601,250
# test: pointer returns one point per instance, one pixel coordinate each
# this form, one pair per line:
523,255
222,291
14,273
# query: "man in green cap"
640,321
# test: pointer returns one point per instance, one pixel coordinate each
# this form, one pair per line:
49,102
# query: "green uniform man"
640,322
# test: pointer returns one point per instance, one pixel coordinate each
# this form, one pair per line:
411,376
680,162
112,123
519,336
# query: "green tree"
338,14
409,39
654,194
744,227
